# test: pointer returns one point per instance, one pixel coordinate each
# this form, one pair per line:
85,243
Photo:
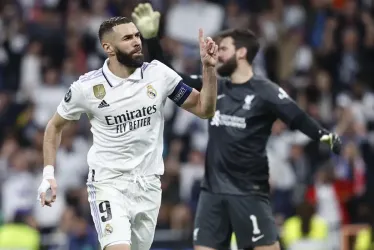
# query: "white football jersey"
126,115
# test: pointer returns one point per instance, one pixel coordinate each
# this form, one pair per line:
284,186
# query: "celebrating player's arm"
148,22
69,110
203,103
289,112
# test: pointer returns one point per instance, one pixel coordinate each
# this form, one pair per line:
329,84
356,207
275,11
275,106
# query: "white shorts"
125,210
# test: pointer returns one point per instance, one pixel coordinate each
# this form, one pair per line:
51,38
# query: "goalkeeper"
235,189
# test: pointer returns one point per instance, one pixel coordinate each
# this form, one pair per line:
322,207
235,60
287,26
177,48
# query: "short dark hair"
108,25
243,38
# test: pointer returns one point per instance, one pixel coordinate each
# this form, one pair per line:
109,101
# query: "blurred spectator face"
278,127
313,110
98,7
350,9
323,82
83,197
52,19
175,148
73,43
195,157
51,77
19,162
31,221
124,43
67,141
319,3
305,210
67,220
4,101
227,61
69,66
10,146
171,167
79,226
9,11
71,130
232,8
350,151
358,90
38,139
73,6
30,154
35,48
350,39
296,151
69,136
325,175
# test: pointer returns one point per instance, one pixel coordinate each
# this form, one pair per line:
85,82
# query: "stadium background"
320,51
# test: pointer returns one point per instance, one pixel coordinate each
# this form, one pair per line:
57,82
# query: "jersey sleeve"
176,89
281,104
71,107
290,113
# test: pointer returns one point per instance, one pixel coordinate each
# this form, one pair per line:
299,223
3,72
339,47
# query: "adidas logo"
103,104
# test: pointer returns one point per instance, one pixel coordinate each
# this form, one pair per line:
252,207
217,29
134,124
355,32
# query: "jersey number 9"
104,207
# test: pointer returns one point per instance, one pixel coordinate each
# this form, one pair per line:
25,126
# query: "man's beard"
129,60
228,68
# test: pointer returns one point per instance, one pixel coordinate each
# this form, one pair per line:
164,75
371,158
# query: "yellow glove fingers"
136,10
156,16
142,10
135,17
148,9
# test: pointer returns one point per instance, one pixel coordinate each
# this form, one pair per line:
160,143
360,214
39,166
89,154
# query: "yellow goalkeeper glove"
147,20
333,141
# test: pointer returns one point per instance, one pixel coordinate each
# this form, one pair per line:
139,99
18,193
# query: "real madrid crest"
151,92
108,229
99,91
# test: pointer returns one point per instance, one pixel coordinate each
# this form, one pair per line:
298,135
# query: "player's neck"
119,69
242,74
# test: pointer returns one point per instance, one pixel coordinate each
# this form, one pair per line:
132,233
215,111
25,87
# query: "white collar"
114,80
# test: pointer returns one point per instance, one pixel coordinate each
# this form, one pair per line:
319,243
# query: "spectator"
20,233
321,52
82,235
305,230
18,190
330,196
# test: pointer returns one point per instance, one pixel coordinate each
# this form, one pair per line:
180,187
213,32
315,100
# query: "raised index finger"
42,199
201,36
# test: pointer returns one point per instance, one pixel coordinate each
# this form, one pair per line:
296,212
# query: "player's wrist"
208,66
49,172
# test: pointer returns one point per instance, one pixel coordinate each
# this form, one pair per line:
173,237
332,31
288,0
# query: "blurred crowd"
320,51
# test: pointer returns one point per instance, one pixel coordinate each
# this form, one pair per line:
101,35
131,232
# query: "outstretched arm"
147,20
289,112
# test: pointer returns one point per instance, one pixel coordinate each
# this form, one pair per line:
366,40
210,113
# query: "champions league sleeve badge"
67,97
